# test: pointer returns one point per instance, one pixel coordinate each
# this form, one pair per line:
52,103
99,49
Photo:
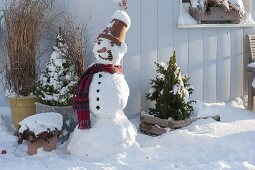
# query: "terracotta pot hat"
117,28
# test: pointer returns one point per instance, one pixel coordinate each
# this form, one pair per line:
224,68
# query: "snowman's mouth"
110,57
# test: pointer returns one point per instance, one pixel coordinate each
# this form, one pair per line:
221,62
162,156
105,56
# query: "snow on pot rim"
42,122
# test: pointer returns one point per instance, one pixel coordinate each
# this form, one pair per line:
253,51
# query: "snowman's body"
111,132
108,94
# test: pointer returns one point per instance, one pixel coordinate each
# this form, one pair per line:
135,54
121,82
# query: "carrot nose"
102,50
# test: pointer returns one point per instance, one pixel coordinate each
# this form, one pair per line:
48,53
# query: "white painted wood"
237,67
223,65
196,62
180,42
148,47
165,30
132,60
210,55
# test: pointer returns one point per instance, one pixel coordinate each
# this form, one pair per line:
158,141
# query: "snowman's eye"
112,44
98,42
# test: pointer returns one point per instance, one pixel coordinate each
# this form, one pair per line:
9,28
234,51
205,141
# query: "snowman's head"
108,52
110,46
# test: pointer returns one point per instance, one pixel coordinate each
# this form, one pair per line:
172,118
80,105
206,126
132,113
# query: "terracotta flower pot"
46,145
21,107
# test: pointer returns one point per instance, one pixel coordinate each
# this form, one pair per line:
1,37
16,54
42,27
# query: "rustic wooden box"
216,15
155,126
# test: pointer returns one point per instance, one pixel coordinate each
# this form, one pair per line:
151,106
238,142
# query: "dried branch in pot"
73,36
24,23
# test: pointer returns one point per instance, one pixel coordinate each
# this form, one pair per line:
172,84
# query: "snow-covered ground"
203,145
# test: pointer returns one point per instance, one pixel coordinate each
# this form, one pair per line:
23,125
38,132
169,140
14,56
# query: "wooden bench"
251,71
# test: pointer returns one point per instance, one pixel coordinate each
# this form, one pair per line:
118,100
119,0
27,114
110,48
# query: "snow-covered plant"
56,84
199,5
171,92
32,137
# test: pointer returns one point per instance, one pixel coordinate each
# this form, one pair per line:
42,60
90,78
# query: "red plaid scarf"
81,94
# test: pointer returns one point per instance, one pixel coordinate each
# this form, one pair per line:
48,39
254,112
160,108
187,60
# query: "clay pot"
46,145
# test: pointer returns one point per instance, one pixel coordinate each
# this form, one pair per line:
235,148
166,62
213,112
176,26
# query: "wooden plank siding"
209,65
214,58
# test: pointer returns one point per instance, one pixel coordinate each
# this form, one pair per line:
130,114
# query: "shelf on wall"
214,25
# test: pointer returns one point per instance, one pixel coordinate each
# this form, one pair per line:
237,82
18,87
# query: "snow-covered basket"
40,130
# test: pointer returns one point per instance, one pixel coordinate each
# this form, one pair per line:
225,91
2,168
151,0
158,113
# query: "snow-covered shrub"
56,84
171,92
199,5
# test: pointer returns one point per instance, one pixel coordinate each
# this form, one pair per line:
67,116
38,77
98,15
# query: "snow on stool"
40,130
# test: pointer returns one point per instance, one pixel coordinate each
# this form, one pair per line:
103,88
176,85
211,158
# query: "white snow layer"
203,145
39,123
184,16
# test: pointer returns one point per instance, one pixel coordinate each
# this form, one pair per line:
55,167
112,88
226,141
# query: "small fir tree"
56,85
171,92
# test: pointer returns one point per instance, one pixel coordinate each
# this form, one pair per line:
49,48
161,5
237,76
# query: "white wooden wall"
214,58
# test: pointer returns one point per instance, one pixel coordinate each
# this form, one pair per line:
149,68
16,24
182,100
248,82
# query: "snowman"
102,93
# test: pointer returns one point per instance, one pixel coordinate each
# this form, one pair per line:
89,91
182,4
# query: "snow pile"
198,4
203,145
184,16
42,122
5,135
106,138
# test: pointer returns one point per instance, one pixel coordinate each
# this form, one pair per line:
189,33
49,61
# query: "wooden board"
151,129
155,126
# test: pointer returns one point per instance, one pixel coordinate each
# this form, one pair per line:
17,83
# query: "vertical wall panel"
210,55
132,59
196,62
236,72
148,47
180,41
223,64
165,29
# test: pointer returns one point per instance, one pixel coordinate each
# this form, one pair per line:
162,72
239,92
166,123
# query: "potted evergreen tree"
56,85
24,23
171,93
